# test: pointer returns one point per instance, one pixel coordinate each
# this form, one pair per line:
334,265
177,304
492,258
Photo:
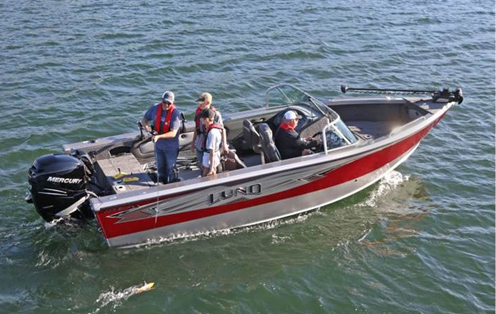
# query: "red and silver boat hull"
258,194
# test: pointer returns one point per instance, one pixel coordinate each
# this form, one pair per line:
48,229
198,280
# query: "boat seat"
269,148
251,136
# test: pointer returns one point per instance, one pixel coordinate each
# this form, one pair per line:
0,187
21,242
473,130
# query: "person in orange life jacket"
288,141
205,102
212,142
166,119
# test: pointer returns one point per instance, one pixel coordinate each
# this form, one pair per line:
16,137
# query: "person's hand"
225,149
193,146
309,139
155,138
148,128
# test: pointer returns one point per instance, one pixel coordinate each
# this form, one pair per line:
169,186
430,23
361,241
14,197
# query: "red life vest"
161,129
212,126
286,127
197,118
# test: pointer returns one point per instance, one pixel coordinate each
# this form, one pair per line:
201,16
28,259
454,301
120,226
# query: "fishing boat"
114,178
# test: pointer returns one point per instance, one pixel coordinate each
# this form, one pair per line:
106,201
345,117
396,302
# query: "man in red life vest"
166,121
205,102
288,141
212,142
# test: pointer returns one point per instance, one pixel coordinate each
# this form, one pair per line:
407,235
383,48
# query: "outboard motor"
60,185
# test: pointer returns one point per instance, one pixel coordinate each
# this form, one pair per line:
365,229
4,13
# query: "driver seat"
269,148
251,136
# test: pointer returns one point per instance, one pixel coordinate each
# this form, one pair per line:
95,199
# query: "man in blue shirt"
166,121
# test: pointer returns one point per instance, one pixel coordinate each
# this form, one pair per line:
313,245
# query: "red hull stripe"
341,175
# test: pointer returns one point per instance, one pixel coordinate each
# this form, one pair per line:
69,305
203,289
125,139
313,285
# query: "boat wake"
184,238
53,223
115,299
387,184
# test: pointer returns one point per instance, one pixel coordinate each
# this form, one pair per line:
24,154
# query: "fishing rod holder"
444,95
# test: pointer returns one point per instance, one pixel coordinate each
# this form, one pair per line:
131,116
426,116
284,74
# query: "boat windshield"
287,95
337,135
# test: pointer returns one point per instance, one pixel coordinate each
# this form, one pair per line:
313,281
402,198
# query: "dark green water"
420,241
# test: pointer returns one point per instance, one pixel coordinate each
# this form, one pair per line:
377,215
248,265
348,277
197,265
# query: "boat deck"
369,130
133,175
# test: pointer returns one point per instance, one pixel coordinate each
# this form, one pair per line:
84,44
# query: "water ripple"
421,242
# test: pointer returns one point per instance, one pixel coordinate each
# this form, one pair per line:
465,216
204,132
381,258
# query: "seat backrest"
268,146
251,136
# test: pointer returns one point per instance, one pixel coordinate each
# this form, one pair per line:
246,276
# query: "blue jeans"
166,161
199,157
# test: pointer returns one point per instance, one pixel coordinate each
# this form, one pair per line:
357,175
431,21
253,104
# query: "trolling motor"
444,95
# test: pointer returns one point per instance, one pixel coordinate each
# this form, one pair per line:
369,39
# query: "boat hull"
259,213
272,196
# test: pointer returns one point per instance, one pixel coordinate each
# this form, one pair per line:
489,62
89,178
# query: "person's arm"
302,144
225,148
145,120
170,134
211,158
220,121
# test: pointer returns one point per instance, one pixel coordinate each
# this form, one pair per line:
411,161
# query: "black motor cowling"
59,185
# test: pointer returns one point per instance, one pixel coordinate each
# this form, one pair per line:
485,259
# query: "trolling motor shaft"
444,95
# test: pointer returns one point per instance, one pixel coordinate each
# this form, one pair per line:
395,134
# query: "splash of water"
53,223
115,298
387,184
182,238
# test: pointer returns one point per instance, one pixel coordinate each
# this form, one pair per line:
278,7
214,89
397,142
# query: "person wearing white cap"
166,121
288,141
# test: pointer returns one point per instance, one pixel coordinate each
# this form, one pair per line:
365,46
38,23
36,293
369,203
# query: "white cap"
290,115
168,96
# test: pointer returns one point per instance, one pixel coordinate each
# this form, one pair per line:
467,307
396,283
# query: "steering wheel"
317,136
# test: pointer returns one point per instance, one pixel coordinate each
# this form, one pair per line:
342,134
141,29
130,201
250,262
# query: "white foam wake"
53,223
387,184
115,298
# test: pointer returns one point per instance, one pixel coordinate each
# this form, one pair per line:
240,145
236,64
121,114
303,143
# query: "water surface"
420,241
